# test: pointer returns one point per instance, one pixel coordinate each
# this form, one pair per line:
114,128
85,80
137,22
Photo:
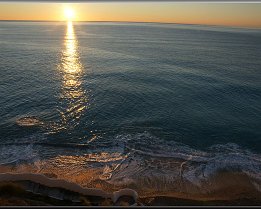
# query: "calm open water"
137,101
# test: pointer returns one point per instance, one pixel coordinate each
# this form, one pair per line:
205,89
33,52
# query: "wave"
11,154
142,162
155,163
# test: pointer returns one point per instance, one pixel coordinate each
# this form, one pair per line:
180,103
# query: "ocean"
159,108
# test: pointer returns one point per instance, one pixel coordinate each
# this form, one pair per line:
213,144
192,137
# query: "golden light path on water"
73,95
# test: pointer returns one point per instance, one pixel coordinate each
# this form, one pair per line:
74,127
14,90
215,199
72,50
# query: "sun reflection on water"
73,95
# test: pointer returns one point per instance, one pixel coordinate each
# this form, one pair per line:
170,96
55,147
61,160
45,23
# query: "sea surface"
141,105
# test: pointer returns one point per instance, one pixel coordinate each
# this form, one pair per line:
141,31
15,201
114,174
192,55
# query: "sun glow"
69,13
74,98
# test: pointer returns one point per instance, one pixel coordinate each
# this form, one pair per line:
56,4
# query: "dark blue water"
139,93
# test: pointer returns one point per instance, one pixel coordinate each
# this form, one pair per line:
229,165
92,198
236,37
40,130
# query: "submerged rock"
28,121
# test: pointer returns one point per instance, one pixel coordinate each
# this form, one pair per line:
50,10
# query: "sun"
68,13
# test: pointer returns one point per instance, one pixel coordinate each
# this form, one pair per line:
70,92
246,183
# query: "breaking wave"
141,161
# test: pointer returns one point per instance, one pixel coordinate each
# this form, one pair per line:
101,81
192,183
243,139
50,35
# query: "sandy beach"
231,195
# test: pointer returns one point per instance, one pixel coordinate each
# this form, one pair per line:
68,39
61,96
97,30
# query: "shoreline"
55,186
66,185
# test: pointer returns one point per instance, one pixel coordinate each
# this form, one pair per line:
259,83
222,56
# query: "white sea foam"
141,160
10,154
155,163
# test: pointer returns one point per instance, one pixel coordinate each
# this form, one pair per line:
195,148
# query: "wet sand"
225,188
60,184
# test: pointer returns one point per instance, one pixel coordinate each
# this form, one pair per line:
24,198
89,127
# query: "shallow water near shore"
159,108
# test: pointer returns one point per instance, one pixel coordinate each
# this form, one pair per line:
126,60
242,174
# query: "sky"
229,14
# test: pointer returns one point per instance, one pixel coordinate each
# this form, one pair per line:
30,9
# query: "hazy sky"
233,14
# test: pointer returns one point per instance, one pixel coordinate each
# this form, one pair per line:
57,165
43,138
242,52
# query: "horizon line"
105,21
